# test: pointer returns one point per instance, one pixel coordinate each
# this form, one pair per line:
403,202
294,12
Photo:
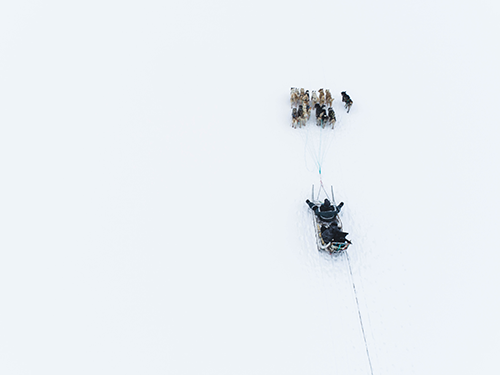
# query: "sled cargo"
330,247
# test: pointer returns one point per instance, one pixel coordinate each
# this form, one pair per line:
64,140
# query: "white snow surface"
153,216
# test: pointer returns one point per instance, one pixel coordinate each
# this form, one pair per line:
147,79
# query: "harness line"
322,187
317,143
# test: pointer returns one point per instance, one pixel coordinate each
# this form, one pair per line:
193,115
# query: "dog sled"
320,226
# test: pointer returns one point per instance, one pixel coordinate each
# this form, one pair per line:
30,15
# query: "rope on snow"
359,314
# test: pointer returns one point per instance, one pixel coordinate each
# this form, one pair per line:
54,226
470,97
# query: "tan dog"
321,96
294,96
314,99
328,98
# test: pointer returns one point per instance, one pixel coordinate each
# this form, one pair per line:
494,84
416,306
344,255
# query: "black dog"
347,100
331,116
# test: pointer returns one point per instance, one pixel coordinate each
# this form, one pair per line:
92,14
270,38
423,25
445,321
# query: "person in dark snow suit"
326,212
333,234
326,206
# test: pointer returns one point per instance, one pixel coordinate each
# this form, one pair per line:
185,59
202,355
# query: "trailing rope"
359,314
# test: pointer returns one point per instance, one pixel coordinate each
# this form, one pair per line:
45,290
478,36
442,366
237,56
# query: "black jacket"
327,216
333,234
326,206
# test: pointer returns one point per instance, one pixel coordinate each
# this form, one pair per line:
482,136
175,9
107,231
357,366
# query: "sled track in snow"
359,312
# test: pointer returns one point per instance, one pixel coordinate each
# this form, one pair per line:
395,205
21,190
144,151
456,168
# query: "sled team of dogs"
302,104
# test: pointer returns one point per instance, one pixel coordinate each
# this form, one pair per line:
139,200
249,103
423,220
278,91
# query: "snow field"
152,210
